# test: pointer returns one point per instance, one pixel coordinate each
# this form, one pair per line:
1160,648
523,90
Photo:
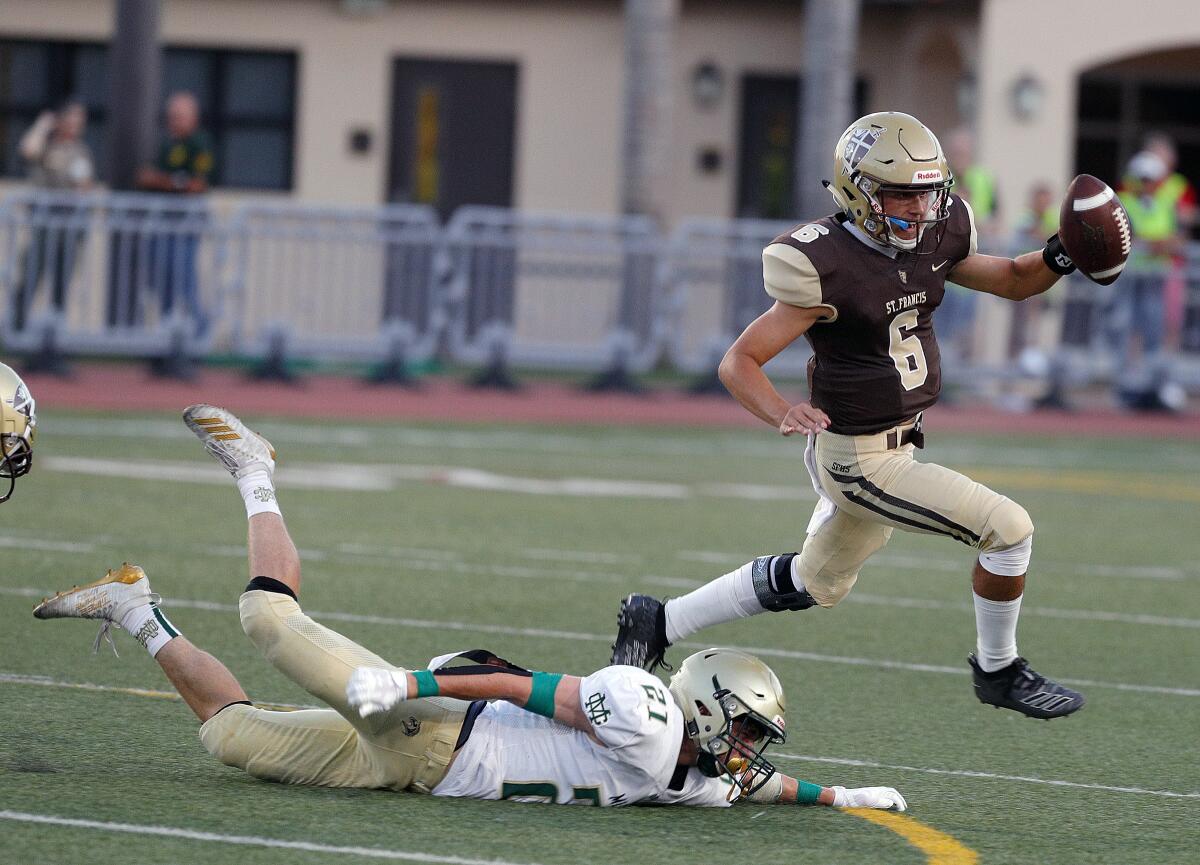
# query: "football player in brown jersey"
862,286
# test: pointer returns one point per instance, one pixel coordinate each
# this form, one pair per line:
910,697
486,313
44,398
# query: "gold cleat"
108,599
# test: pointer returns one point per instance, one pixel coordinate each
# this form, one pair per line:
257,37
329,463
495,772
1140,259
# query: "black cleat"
641,633
1019,688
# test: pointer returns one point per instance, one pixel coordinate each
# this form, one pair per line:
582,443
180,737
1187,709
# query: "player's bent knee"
262,614
827,592
1008,525
219,736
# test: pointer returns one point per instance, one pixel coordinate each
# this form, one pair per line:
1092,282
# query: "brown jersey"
877,360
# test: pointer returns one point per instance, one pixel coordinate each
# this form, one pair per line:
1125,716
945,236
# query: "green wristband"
541,695
427,686
808,794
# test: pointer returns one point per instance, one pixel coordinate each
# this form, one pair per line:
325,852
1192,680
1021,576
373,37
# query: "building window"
770,128
247,103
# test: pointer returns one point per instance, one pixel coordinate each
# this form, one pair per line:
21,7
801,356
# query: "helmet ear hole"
702,709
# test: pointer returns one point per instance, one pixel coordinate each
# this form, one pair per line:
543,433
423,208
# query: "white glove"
374,689
886,798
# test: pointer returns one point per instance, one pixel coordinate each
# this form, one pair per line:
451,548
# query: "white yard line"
967,773
450,562
580,636
246,840
731,444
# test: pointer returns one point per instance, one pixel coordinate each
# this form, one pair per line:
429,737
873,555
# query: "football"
1094,229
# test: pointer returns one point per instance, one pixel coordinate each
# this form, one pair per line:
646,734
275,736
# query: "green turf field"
419,540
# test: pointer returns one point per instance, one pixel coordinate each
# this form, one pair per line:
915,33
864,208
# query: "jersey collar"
859,234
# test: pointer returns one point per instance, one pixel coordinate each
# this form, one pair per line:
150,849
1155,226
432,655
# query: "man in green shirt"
182,167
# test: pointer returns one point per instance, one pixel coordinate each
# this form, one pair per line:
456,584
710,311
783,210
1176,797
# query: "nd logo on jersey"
598,713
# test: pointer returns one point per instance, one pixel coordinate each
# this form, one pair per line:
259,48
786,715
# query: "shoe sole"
127,574
220,425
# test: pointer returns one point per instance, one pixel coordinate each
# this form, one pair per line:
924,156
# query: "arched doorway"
1120,102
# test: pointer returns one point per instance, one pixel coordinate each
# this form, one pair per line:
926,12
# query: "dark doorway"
453,127
769,130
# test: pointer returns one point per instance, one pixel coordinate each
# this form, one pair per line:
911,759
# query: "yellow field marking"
938,847
1089,483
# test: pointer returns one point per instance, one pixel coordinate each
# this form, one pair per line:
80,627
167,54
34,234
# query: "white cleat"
108,598
237,447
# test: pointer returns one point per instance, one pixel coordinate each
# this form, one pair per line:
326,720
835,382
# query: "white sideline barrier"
126,274
344,283
714,274
555,291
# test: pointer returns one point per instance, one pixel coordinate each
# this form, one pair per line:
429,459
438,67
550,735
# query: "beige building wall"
767,38
569,56
1053,43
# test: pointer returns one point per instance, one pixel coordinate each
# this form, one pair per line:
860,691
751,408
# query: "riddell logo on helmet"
927,176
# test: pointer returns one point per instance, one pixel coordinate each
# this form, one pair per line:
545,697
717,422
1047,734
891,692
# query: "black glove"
1056,257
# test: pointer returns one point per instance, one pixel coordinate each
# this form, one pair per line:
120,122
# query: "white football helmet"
890,152
18,428
733,709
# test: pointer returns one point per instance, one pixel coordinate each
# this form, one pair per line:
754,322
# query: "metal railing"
345,283
115,274
155,275
563,291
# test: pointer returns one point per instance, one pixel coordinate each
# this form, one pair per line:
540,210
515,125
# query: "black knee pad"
774,586
269,584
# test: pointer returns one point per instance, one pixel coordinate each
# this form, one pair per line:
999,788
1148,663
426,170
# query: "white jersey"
515,754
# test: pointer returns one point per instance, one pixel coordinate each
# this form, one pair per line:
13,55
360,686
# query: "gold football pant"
409,747
878,489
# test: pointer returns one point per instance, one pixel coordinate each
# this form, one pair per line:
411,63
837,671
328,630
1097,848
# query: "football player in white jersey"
469,725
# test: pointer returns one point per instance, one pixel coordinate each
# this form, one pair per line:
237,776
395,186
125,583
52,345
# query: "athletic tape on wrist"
427,685
541,695
808,794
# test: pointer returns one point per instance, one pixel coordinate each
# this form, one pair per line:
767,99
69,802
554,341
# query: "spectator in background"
1034,316
1038,221
955,317
1177,188
1137,325
59,161
183,167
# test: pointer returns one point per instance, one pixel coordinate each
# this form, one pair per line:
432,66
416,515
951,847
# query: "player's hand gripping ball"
1094,229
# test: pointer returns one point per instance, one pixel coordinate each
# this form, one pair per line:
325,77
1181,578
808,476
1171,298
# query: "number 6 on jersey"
906,351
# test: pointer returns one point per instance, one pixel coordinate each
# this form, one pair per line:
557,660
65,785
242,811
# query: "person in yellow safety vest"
955,317
1137,324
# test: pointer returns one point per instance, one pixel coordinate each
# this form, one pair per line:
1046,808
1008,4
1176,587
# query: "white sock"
996,626
723,600
258,492
149,626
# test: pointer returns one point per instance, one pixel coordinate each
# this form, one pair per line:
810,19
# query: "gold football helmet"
891,152
733,709
18,426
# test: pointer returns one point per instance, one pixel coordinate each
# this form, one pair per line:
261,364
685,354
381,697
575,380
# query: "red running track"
130,388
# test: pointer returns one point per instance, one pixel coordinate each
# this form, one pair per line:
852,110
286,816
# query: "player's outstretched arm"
795,791
1013,278
374,689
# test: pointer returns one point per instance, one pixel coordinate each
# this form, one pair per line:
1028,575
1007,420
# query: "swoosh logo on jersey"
940,266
